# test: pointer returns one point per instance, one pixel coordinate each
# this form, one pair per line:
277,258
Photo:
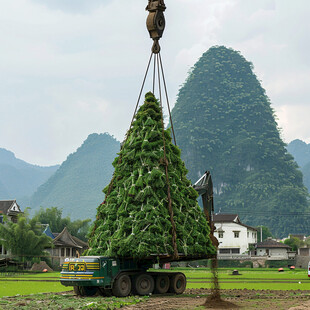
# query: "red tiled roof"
229,218
272,244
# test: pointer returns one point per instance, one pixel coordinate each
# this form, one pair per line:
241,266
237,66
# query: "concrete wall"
302,261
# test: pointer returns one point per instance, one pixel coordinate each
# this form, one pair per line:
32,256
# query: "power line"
266,213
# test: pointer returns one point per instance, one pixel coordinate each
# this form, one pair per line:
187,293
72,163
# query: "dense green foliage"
76,185
24,238
266,233
224,123
19,179
134,220
53,217
294,243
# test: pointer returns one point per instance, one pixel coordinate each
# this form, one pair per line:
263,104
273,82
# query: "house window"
62,253
229,251
68,254
221,234
236,234
224,251
235,251
1,219
248,234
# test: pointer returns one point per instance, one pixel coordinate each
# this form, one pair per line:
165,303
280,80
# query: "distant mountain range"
77,185
301,152
19,179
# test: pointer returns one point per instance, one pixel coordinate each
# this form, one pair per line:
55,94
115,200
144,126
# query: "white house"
274,250
234,237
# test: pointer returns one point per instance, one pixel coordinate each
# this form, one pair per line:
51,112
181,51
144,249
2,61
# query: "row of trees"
25,238
54,218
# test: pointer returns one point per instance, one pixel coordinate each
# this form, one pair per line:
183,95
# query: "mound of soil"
40,266
216,302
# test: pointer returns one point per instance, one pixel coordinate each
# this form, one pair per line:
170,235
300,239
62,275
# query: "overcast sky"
69,68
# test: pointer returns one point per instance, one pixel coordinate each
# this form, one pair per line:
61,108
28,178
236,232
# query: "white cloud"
70,68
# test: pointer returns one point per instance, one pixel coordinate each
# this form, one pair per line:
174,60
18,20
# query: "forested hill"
19,179
224,123
77,185
301,152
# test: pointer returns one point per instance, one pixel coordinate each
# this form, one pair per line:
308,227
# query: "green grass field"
11,285
258,279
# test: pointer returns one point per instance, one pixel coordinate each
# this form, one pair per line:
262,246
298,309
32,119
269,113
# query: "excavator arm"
204,187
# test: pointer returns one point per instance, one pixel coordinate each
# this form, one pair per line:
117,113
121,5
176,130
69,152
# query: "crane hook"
155,22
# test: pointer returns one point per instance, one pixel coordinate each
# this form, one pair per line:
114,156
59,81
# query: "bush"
279,263
234,264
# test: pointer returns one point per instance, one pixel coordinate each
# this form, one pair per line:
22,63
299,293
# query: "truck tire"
144,284
122,286
162,284
177,283
88,290
105,292
76,290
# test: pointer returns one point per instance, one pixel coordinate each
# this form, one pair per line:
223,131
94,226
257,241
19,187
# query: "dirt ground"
192,299
242,299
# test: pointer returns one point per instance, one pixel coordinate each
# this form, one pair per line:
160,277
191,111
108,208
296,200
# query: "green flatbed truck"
121,277
90,275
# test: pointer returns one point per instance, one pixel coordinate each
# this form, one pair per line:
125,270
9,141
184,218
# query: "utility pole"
261,233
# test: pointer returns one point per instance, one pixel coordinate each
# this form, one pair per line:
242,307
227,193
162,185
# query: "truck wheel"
88,290
76,290
177,283
144,284
162,284
122,286
105,292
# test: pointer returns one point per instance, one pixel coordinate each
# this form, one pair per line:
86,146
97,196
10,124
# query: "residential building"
304,251
235,238
272,249
9,210
65,246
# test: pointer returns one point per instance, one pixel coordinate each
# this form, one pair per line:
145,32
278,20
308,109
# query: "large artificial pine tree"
224,123
135,219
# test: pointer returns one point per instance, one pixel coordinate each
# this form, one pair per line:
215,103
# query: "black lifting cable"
159,71
154,74
141,90
156,25
168,105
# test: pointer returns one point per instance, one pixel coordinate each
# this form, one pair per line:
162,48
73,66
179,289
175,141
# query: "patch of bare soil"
230,299
216,302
